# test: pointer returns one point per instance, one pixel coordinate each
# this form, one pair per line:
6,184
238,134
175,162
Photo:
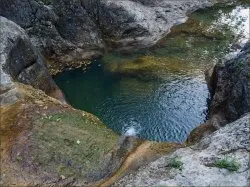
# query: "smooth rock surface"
133,24
231,141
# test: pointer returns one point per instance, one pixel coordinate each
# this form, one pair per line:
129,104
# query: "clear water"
159,94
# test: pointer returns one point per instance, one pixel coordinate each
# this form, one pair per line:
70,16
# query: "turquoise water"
160,93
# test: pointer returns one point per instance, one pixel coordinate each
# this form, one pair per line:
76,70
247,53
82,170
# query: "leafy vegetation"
175,163
228,163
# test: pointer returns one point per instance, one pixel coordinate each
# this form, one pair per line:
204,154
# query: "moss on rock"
70,143
53,142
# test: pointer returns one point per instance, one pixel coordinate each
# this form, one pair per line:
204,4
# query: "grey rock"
230,85
63,30
74,30
20,61
231,141
135,24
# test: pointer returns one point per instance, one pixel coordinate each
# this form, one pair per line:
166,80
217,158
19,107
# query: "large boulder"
229,85
134,24
21,61
62,30
220,159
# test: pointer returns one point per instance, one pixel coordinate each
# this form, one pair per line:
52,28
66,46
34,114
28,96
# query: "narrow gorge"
124,92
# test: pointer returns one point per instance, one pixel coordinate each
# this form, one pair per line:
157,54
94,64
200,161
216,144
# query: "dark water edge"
159,94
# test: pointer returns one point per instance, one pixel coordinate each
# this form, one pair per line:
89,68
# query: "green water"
159,93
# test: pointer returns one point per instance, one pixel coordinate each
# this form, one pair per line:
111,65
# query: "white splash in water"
132,129
130,132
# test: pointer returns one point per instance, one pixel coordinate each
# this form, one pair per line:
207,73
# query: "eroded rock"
69,32
198,161
134,24
22,62
230,85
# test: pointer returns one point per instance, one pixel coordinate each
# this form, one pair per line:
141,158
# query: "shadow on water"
160,93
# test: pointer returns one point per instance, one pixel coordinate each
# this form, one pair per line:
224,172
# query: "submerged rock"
150,67
198,165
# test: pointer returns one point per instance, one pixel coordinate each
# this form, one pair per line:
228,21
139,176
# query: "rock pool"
159,93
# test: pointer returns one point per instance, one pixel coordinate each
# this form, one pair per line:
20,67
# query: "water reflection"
237,21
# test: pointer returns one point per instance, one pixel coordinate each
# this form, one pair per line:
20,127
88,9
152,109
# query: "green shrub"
228,163
175,163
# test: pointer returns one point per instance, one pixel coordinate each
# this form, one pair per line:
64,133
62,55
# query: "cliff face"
63,32
21,61
229,84
69,32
